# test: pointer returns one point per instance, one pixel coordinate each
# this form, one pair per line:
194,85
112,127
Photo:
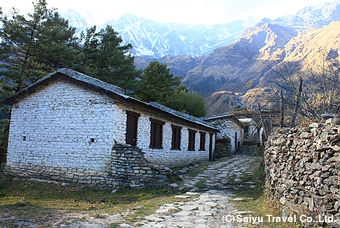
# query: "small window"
156,134
202,141
191,146
176,138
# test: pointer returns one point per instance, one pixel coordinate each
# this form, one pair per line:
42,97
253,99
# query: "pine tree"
157,84
29,49
105,58
34,46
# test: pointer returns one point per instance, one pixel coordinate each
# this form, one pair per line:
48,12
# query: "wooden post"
282,111
263,123
297,103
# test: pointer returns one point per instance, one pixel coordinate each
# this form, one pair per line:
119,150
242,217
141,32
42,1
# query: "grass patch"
201,184
39,202
198,169
255,200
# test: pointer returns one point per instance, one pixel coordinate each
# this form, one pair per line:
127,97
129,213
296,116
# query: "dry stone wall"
131,169
128,168
302,170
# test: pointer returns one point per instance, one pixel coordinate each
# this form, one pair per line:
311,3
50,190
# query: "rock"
337,205
285,212
192,193
283,200
124,225
335,148
65,184
315,125
182,197
243,212
173,185
153,218
238,199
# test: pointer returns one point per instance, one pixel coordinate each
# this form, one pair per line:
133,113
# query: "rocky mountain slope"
244,67
226,61
312,16
151,38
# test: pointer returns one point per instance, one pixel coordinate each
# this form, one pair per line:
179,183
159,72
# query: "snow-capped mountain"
75,20
312,16
156,39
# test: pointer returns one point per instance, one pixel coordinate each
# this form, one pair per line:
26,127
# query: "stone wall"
226,136
127,168
58,127
303,167
130,168
223,148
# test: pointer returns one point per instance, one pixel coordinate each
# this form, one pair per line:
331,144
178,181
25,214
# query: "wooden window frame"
202,141
191,140
156,134
176,137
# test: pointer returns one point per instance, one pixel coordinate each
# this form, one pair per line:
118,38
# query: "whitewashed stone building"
250,129
72,127
231,131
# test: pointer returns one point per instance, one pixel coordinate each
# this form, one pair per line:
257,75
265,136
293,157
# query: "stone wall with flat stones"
302,168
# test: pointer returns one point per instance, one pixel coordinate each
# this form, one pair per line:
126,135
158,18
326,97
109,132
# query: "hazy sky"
182,11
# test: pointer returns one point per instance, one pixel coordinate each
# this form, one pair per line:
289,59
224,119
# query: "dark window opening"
191,146
176,138
202,140
156,134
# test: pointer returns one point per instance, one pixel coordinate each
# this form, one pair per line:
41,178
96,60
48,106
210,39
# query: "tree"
105,58
157,84
191,103
321,90
33,46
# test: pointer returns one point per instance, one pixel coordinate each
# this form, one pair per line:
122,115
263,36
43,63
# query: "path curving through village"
211,192
207,202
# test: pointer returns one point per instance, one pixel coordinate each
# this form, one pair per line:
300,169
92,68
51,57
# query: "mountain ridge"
242,67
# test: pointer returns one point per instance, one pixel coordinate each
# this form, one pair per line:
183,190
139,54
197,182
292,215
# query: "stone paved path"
210,207
207,203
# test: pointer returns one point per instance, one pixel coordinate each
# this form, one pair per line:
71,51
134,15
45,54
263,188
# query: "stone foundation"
128,168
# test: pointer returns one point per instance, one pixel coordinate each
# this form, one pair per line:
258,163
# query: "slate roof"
106,88
224,116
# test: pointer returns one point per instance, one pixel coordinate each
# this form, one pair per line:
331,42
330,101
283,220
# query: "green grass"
198,169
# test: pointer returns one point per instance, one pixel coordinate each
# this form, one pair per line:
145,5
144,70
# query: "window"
156,134
176,138
202,141
191,146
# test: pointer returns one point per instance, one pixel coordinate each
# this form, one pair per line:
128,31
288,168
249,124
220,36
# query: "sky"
180,11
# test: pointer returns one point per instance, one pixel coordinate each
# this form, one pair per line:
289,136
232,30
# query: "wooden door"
131,128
